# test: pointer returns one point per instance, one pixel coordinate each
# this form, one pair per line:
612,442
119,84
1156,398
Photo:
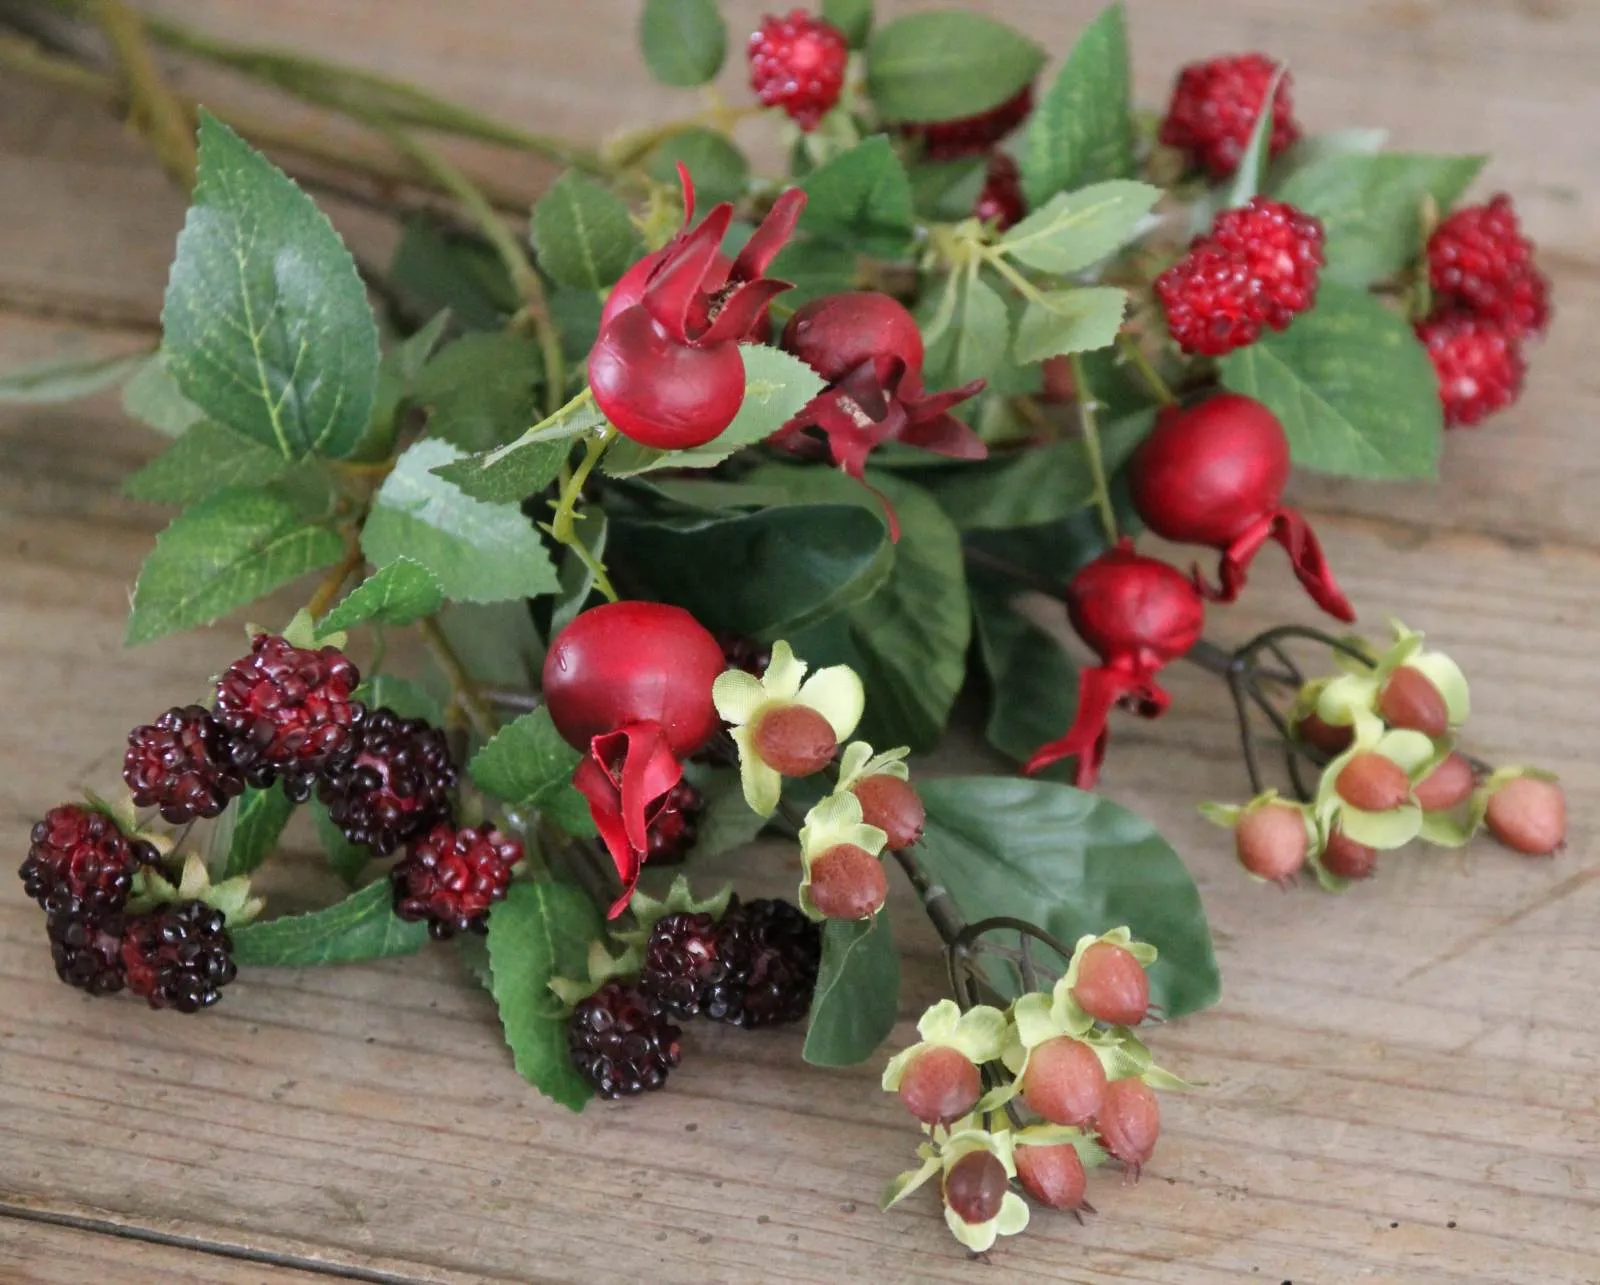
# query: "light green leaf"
945,64
583,234
480,392
980,333
206,459
64,381
1076,229
152,397
721,172
247,832
347,859
853,17
857,997
1070,321
684,41
404,697
395,594
1082,131
528,763
1247,180
861,199
362,926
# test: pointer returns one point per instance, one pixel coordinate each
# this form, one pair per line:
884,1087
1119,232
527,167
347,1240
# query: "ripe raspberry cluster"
797,63
1214,108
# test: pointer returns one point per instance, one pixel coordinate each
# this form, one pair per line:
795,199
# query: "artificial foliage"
707,493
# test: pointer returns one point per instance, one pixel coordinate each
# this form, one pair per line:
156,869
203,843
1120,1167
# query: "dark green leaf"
1033,682
206,459
1070,321
395,594
397,376
404,697
1355,390
528,763
509,474
860,199
245,834
721,172
496,641
64,381
541,931
853,17
362,926
1082,131
347,859
1076,229
152,397
1247,180
725,821
480,391
816,268
267,327
858,992
583,234
684,41
436,267
947,63
1072,863
946,191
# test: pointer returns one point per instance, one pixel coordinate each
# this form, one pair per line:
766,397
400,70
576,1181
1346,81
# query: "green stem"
1140,361
151,105
463,689
562,522
1091,446
1023,286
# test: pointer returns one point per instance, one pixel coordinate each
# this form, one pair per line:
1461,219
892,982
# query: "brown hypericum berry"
1064,1081
894,806
1321,735
848,882
1272,842
975,1186
1344,857
1529,816
1053,1175
1373,783
1112,985
794,740
1410,699
940,1085
1449,785
1129,1122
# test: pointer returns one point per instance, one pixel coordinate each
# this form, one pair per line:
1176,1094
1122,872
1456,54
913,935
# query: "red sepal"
625,777
1290,529
1099,689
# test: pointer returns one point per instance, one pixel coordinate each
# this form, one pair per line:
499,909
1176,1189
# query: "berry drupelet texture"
86,948
768,953
393,786
797,62
80,854
682,961
1215,106
451,878
675,828
178,956
1480,262
291,705
186,764
1480,368
621,1042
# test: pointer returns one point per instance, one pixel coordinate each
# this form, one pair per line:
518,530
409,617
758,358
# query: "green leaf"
1033,684
583,234
1355,390
478,552
1070,321
206,459
858,992
853,17
946,64
861,198
267,326
684,41
528,763
404,697
396,594
725,821
347,859
1315,148
480,392
249,829
721,172
397,377
1082,130
362,926
511,473
1370,207
979,334
65,381
1076,229
152,397
1247,180
946,191
496,641
228,551
541,931
1072,863
437,267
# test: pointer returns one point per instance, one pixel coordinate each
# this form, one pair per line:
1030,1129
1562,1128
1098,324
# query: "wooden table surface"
1399,1085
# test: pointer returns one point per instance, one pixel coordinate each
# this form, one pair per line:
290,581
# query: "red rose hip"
940,1085
839,332
661,393
1112,985
1064,1082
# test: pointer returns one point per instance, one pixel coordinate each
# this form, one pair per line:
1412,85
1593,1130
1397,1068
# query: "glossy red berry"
1000,202
894,806
1053,1175
1214,109
1112,985
797,62
79,859
1129,1122
840,332
940,1085
86,947
186,764
621,1043
291,705
1411,700
1479,261
659,391
948,140
848,882
1479,367
1272,842
1064,1081
794,740
633,662
178,956
450,878
1529,815
1448,786
1344,857
1135,609
396,784
975,1186
1373,783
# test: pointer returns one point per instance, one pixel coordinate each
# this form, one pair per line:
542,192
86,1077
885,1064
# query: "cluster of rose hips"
1069,1057
1386,730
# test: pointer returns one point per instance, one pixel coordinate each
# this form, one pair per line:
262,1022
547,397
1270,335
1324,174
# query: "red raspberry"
1479,261
394,787
178,956
1214,109
949,140
186,764
1257,268
292,704
1480,367
1001,202
797,63
452,877
79,862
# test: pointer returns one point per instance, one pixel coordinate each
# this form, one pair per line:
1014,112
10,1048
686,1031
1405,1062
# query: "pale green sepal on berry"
1126,1057
979,1035
1413,752
232,896
680,900
1447,829
301,631
1501,777
602,966
836,820
858,762
126,816
902,1185
1090,1153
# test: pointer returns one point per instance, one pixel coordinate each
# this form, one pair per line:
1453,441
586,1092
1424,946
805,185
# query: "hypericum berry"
1410,699
621,1043
1479,260
186,764
949,140
975,1186
1000,202
1214,109
1064,1081
396,786
86,948
1257,269
291,705
768,954
940,1085
178,956
1272,842
1448,786
797,63
1479,367
681,958
450,878
1373,783
633,662
894,806
1344,857
82,855
1129,1122
1529,815
675,827
795,740
1053,1175
848,882
1329,738
1112,985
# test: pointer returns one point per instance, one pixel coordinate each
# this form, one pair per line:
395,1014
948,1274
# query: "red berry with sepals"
1000,202
1052,1174
949,140
1327,738
1129,1122
1479,261
292,705
797,62
1343,857
1479,367
847,882
1215,106
1411,700
975,1186
894,806
1373,783
79,857
1112,985
1529,815
1272,841
940,1085
1064,1081
1448,786
795,740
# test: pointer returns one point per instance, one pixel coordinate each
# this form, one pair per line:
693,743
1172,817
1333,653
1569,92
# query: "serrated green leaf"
206,459
266,323
946,64
721,172
857,997
395,594
511,473
404,697
227,551
347,859
478,552
979,334
861,199
1076,229
152,397
684,41
64,381
1070,321
437,267
1250,175
252,825
541,931
583,234
481,391
1033,684
853,17
528,763
362,926
1082,130
1354,388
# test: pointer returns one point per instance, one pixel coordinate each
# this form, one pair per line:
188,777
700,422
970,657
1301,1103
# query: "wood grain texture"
1399,1084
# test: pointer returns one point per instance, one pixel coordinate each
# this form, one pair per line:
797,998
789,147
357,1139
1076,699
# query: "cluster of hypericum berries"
1386,731
1035,1095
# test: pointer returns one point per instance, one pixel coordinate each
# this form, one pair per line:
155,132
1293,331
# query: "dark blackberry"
770,953
83,854
742,652
290,704
87,948
675,828
621,1042
681,962
178,956
451,877
186,764
395,785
